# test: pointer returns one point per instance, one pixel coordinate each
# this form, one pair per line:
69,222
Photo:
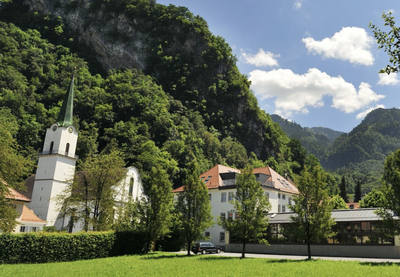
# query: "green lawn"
165,264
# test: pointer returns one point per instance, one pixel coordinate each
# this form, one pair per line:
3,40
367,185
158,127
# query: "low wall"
336,250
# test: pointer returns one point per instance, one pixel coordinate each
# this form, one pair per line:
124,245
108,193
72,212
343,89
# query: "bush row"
62,247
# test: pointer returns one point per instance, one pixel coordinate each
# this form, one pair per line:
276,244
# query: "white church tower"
56,166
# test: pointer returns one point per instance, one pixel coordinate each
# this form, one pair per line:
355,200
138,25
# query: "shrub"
62,247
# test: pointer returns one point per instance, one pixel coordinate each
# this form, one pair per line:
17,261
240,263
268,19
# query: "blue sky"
314,62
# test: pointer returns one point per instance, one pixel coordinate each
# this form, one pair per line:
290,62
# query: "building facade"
220,181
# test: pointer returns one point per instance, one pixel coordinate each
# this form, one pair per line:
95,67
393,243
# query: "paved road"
292,257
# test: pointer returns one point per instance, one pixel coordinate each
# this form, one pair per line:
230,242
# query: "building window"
283,196
237,216
351,207
279,195
22,229
131,187
209,196
207,234
267,194
67,149
230,196
208,178
279,208
223,196
33,229
51,147
222,237
230,215
283,208
290,200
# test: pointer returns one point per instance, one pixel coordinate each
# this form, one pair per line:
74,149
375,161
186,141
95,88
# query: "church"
56,169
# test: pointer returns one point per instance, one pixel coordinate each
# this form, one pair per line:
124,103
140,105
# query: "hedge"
62,247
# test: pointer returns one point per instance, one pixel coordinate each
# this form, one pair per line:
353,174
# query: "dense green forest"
178,105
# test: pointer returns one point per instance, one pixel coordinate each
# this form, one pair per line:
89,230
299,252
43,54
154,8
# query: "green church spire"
67,109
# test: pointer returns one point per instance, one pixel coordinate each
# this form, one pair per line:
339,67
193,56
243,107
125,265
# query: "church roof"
15,195
66,112
28,215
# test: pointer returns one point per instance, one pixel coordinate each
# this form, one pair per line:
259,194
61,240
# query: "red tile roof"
29,216
213,179
15,195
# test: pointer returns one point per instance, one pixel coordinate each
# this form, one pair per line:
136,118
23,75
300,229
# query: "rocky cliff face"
177,49
97,33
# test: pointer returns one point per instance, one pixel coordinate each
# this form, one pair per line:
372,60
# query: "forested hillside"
175,90
315,140
358,155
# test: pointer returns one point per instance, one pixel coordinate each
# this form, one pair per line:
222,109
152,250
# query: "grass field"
166,264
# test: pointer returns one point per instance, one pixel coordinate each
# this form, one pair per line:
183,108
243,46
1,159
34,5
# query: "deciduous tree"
389,41
13,168
154,208
251,205
193,205
374,199
90,198
338,203
312,222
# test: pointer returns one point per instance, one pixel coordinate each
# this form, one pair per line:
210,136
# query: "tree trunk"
244,248
308,241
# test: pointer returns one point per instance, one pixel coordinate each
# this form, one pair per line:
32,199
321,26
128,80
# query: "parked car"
204,247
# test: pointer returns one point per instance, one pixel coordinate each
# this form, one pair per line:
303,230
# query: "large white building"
56,170
220,181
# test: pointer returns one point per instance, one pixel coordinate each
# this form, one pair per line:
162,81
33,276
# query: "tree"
374,199
90,198
391,182
299,154
338,203
312,222
251,205
154,209
390,41
13,168
343,190
357,193
193,205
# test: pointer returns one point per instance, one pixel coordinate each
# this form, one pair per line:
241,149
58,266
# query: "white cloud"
297,4
350,44
260,59
364,113
295,93
388,80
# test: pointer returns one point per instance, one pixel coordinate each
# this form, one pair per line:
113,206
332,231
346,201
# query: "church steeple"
66,112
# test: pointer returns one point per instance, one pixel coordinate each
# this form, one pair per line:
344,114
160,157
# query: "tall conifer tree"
343,190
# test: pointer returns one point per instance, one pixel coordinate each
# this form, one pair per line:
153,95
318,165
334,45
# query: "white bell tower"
56,166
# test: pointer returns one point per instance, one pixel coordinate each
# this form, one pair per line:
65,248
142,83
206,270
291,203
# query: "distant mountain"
374,138
331,134
360,154
315,140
